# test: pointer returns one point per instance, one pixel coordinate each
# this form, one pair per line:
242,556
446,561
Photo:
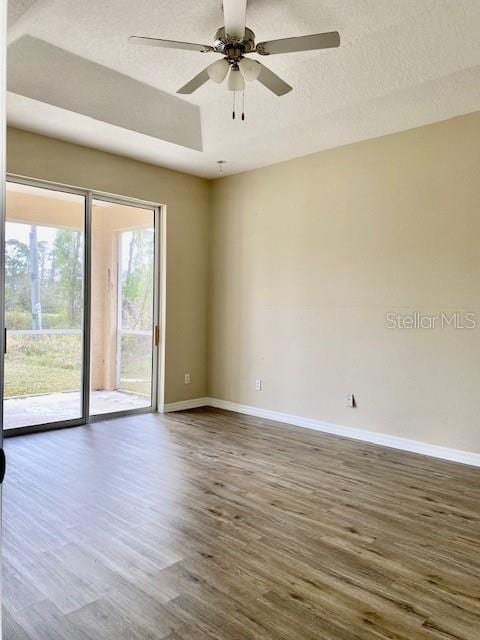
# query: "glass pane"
43,306
123,259
135,363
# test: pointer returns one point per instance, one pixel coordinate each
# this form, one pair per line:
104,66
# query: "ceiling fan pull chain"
243,105
233,112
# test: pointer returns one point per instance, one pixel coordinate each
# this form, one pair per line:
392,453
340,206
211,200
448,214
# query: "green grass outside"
139,387
136,371
52,363
42,364
27,380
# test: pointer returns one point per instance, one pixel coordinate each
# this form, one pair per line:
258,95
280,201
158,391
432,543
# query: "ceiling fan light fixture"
236,81
250,69
234,41
217,72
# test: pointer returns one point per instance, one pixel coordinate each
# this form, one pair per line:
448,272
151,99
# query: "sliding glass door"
80,307
44,249
123,337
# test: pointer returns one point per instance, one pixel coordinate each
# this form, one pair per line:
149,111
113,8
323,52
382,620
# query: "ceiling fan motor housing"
234,48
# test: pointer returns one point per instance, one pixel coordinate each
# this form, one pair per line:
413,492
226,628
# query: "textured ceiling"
401,64
122,101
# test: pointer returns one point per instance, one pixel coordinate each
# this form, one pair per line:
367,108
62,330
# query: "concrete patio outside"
25,411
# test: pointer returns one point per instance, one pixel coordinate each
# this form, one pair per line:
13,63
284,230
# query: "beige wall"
187,200
308,256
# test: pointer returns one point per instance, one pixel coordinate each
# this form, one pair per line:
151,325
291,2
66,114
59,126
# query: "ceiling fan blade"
273,82
170,44
195,83
302,43
235,17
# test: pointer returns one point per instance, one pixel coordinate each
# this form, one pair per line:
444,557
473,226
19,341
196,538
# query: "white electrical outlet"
258,384
187,378
350,400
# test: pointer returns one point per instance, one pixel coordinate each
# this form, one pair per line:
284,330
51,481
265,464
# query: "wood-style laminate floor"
208,525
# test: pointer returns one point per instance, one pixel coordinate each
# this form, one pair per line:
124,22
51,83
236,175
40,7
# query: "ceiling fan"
234,42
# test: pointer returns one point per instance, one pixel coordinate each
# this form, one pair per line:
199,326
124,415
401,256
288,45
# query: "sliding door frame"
158,212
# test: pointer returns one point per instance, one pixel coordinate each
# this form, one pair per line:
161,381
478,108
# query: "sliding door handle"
157,335
5,340
3,465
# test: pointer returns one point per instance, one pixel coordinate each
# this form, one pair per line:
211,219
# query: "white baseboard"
383,439
185,404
